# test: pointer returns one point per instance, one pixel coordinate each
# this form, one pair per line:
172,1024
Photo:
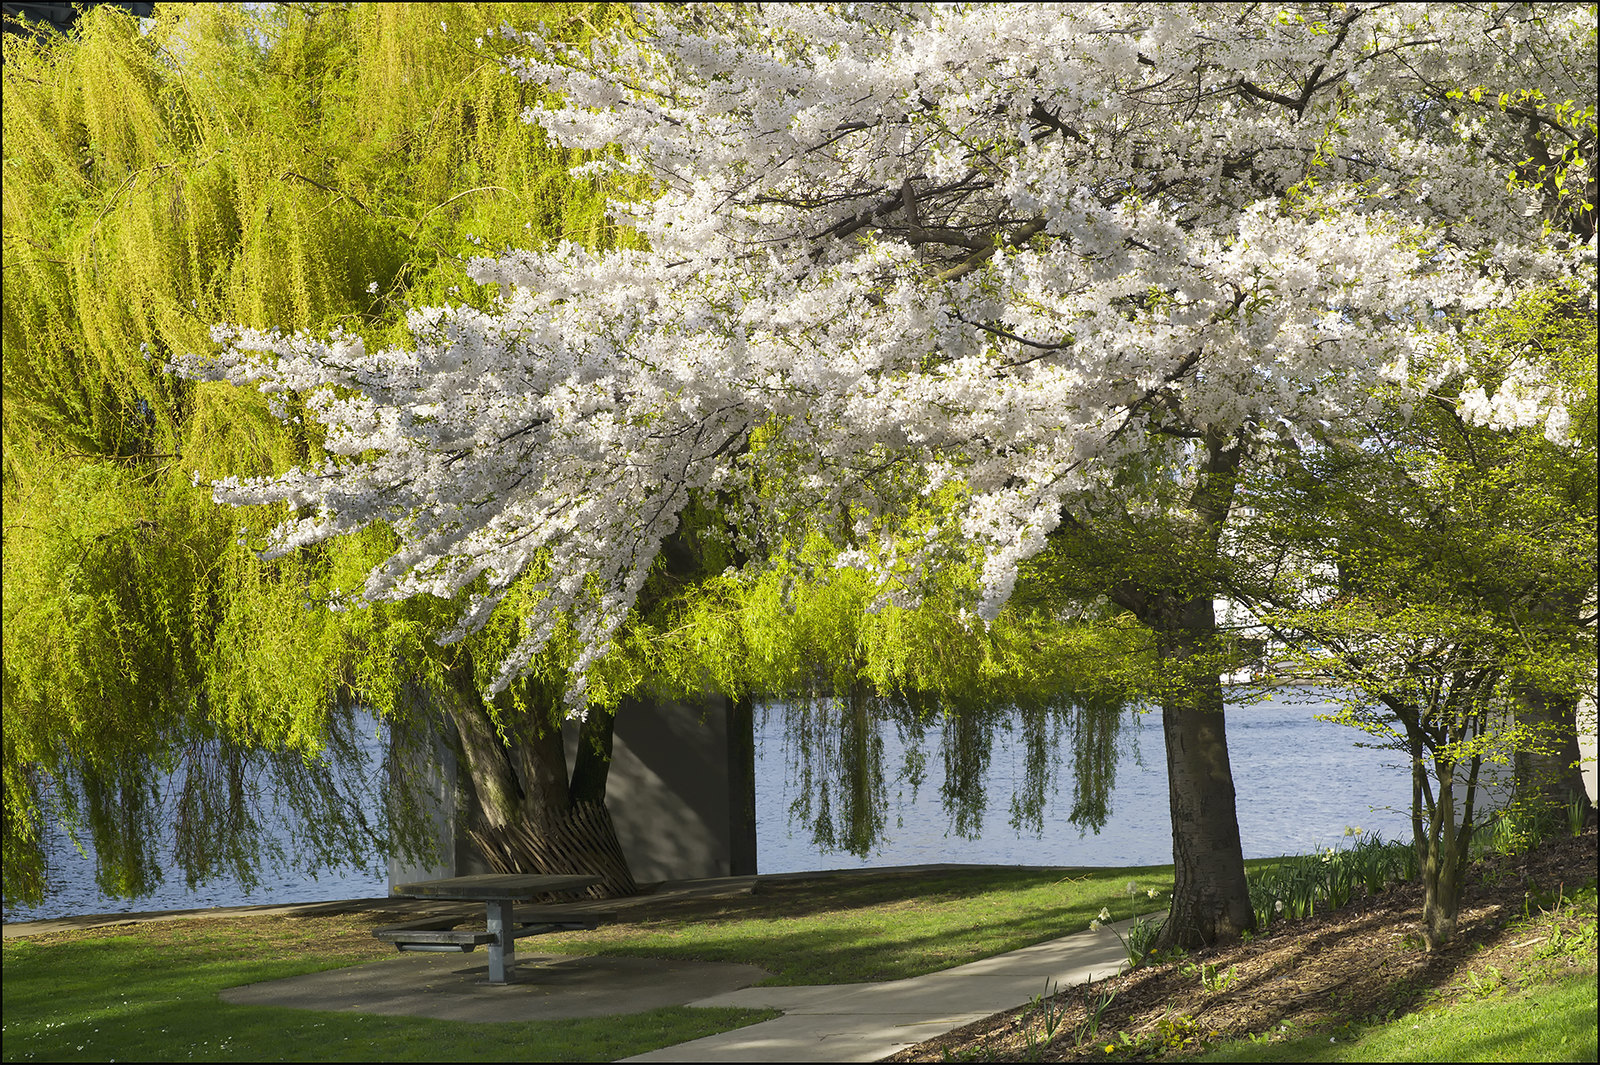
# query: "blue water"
1300,783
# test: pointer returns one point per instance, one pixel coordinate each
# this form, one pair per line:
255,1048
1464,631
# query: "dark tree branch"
978,258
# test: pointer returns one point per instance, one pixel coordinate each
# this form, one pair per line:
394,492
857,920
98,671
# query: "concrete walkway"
866,1022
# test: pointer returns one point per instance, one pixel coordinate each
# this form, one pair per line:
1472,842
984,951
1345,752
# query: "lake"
1300,782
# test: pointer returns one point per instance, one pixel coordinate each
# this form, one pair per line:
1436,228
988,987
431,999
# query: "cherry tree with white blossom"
1002,252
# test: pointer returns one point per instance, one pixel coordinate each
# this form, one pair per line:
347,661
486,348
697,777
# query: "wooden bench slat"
422,924
440,934
557,915
544,928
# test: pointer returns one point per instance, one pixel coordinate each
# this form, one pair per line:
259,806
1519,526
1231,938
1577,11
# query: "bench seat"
537,920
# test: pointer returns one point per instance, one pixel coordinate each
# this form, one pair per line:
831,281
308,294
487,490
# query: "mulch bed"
1365,962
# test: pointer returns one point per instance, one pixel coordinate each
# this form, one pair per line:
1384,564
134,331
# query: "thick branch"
978,258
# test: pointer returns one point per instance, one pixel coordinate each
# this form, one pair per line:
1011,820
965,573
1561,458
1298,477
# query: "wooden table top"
489,886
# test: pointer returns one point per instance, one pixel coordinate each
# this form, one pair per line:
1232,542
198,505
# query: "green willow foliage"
320,166
803,633
302,167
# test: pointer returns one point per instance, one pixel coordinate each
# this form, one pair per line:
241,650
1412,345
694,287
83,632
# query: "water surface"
1300,782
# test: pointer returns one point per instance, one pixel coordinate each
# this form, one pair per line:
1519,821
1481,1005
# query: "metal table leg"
503,950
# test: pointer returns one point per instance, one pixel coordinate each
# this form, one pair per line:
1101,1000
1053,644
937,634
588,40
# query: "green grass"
850,929
1548,1022
150,992
145,998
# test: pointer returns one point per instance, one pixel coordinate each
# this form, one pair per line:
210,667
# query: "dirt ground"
1365,962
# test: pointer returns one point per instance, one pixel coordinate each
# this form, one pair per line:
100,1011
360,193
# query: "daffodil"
1105,914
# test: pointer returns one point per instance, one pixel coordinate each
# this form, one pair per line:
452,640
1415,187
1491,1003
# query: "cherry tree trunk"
1210,898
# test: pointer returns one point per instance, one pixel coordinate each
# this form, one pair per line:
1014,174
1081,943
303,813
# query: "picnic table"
499,892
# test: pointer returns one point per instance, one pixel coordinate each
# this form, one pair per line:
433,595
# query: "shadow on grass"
1351,972
126,998
845,930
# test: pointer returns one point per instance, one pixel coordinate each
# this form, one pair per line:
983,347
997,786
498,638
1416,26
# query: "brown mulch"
1365,962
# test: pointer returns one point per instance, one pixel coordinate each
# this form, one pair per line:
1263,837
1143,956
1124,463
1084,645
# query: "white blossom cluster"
894,247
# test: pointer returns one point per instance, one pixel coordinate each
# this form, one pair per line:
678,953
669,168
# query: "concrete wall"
681,794
435,764
682,789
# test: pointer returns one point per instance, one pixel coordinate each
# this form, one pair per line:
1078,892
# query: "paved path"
866,1022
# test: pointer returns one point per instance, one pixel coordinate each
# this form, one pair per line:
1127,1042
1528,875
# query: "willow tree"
305,167
843,656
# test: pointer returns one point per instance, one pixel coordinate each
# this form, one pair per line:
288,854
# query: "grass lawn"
151,995
1549,1022
854,928
150,991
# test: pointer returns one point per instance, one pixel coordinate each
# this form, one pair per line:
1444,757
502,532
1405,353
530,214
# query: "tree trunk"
591,766
522,812
496,793
1548,774
1210,898
742,783
1445,863
1443,843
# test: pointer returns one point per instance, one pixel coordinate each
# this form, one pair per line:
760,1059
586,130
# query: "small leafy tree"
1445,568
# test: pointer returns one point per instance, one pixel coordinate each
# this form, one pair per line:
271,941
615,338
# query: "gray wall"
682,789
